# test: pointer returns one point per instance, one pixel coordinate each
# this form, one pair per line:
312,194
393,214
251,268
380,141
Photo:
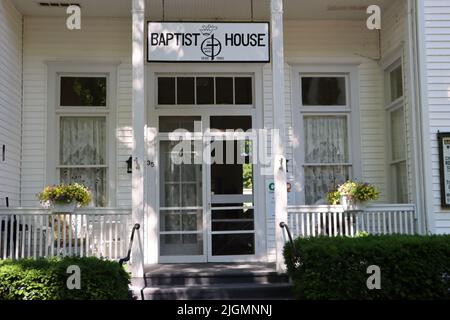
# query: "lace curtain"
326,142
83,142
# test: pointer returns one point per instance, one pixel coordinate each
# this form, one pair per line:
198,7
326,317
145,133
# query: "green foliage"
45,279
412,267
248,176
66,193
354,190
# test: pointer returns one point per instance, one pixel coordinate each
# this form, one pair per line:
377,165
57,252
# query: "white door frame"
152,205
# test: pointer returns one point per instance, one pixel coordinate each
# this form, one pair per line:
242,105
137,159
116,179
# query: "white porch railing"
323,220
32,233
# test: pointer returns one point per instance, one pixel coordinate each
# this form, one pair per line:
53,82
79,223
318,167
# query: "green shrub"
45,279
412,267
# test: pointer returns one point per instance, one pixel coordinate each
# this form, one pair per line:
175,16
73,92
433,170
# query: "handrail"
295,253
137,226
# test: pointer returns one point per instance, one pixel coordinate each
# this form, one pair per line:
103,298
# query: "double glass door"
206,189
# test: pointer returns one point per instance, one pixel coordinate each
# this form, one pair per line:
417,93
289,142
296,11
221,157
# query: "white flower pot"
352,205
64,208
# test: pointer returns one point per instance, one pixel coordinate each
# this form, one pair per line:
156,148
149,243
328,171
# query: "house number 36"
150,163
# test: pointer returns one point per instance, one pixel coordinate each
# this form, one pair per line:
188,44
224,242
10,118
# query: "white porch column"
138,109
279,127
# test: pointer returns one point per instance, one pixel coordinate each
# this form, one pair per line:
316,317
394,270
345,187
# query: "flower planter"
64,207
352,205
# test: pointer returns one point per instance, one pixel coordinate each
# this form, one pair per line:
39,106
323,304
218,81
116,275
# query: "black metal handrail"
137,226
295,253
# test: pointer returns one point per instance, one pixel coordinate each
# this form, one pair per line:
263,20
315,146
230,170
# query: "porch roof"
207,9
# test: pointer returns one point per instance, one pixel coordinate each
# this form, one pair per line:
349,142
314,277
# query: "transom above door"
206,189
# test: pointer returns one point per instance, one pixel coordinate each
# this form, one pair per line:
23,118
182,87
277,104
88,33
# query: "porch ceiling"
210,9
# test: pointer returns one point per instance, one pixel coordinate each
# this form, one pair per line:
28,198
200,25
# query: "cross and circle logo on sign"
211,47
208,42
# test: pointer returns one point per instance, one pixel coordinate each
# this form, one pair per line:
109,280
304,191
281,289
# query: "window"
205,90
83,92
83,151
323,91
398,177
325,120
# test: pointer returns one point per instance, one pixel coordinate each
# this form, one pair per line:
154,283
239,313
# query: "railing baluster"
102,236
82,235
340,218
411,222
5,235
58,241
64,232
76,236
30,230
17,238
115,236
302,217
378,222
352,215
400,221
40,233
307,224
395,221
48,234
87,243
110,237
313,224
298,225
122,227
70,234
22,241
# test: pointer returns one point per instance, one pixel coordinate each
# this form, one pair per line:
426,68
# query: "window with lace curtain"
325,113
82,125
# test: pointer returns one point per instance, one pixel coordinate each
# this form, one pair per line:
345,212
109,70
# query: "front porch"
103,232
340,100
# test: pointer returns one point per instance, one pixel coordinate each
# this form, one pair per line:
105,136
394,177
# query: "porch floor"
202,269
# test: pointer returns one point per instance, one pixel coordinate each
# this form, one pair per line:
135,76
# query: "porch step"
238,291
212,281
211,278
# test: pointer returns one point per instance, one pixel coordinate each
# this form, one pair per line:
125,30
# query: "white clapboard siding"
47,39
10,101
437,38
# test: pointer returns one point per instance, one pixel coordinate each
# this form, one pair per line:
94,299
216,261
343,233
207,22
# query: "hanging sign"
208,42
444,160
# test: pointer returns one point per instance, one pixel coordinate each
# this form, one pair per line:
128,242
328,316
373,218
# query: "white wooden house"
348,102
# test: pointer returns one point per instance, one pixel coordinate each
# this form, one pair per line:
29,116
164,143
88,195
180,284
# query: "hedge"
411,267
46,279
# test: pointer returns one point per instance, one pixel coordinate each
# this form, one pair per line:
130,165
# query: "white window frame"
350,110
203,75
56,70
390,107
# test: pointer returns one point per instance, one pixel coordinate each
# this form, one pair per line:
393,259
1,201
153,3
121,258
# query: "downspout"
420,119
